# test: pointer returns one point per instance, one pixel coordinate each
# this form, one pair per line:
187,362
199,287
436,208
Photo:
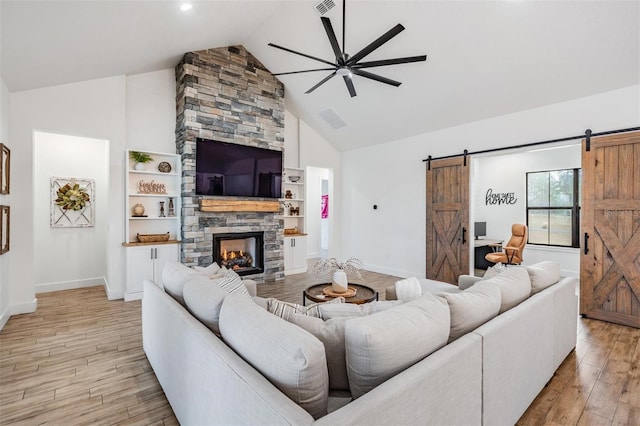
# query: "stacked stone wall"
226,94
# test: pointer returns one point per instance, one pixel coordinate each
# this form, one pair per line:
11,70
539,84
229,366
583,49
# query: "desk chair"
511,253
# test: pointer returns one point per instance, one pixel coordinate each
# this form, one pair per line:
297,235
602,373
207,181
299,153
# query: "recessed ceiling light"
185,6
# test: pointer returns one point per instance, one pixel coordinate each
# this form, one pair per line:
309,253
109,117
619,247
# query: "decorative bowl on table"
294,178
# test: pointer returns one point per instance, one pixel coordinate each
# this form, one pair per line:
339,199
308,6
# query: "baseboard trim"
24,308
112,294
391,271
69,285
5,317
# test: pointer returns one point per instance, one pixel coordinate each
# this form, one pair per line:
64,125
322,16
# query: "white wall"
291,140
151,111
392,175
96,109
315,151
5,200
82,263
507,173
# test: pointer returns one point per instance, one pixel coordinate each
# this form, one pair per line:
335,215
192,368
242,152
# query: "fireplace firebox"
241,251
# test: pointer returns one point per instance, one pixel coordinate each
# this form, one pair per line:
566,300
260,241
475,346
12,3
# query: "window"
553,207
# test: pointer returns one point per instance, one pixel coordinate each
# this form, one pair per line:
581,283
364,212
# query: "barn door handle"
586,243
464,232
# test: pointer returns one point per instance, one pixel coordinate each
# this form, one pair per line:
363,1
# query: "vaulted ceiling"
484,58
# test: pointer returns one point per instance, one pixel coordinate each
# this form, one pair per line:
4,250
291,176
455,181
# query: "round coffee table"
363,294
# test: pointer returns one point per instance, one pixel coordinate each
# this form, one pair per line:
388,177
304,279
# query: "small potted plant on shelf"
338,271
141,158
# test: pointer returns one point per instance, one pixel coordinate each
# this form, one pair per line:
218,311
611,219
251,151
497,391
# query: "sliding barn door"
610,259
447,219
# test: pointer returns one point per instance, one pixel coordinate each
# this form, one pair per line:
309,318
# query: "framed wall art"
5,216
5,163
72,201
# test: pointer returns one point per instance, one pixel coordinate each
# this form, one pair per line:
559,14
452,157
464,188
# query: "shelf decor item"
294,179
138,210
164,167
338,271
72,202
141,158
151,187
172,211
152,238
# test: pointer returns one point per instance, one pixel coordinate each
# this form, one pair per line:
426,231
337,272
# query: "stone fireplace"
226,94
241,251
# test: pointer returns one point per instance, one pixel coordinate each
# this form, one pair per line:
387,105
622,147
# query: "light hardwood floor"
79,360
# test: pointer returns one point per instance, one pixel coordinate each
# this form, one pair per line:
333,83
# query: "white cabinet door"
146,263
139,268
163,254
295,255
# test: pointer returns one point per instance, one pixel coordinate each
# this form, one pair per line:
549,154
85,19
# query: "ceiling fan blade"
323,81
376,43
349,82
301,54
300,72
375,77
333,40
395,61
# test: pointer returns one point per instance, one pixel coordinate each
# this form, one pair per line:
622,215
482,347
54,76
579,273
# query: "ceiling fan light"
343,71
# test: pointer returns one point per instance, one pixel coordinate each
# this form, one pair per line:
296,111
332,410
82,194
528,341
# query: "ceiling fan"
345,65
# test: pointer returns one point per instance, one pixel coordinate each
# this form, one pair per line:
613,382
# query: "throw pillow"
408,289
285,309
232,283
288,356
543,275
471,308
174,275
209,270
382,345
514,285
350,310
494,270
331,334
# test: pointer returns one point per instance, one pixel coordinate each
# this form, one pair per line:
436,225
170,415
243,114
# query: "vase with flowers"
338,271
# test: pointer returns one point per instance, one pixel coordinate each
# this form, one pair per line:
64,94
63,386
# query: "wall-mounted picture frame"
5,168
5,221
72,201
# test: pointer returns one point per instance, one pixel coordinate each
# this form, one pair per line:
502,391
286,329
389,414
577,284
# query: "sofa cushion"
514,285
288,356
331,334
328,311
408,289
543,275
203,298
174,275
472,308
380,346
285,309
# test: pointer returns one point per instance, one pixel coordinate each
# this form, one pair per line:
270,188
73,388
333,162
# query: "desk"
481,249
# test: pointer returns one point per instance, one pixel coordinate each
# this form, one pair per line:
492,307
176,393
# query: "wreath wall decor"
72,202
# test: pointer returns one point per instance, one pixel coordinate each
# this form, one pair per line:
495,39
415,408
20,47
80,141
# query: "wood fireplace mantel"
211,205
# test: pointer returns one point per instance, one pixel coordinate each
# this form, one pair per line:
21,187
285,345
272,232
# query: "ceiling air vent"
324,6
331,117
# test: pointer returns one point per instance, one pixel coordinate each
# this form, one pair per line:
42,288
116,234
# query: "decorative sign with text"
498,198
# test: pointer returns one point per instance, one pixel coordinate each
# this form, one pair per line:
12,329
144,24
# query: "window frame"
575,208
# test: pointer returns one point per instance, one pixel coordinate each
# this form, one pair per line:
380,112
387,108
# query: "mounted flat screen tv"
229,169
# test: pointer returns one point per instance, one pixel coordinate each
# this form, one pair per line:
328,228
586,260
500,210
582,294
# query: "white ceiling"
484,58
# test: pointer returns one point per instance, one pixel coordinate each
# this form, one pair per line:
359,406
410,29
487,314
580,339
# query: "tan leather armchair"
511,253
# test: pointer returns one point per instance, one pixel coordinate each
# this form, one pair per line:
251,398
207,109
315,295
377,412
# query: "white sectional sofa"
489,375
